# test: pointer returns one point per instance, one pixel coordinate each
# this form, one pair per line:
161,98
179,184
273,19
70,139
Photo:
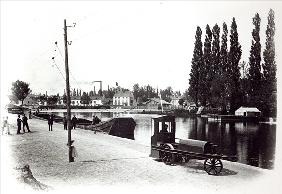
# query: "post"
71,159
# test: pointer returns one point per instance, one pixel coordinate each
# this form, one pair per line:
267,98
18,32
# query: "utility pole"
71,159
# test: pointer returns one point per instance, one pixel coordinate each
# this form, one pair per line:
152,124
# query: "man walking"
65,122
25,124
19,124
50,122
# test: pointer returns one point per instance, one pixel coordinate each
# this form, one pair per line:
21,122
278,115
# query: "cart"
165,147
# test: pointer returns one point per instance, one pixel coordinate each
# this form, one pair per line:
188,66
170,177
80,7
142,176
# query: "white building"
75,100
95,101
247,111
123,98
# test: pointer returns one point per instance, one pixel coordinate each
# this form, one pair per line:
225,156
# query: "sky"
145,42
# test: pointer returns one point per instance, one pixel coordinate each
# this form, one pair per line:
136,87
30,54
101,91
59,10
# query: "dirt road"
115,163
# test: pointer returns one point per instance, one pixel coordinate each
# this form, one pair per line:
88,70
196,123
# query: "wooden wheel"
213,166
167,157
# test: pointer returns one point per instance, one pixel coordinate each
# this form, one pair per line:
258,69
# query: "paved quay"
115,164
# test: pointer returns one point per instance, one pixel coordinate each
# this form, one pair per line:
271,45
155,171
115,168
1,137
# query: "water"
252,143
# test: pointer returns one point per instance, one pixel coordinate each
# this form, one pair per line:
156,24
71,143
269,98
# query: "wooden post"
71,159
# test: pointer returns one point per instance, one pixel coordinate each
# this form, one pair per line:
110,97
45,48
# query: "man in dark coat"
74,121
50,122
19,124
65,121
25,124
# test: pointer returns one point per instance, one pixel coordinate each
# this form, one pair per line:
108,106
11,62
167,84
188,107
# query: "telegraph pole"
71,159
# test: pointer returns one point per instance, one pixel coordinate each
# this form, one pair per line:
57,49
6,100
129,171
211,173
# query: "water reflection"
253,143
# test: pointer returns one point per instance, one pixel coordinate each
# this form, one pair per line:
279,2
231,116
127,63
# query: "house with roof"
123,98
248,112
95,100
76,100
157,104
175,101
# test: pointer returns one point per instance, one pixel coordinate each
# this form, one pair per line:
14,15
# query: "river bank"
107,162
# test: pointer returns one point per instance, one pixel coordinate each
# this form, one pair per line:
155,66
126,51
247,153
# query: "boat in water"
121,127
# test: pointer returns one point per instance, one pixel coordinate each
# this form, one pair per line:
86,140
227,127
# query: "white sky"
126,42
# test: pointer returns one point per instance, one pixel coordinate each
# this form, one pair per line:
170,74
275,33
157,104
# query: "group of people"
65,122
95,120
22,122
73,122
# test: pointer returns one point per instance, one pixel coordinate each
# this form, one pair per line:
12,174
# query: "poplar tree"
204,86
234,57
197,63
255,65
223,68
214,72
269,67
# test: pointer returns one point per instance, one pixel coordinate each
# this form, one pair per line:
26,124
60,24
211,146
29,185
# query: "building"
95,100
175,102
76,100
157,104
248,112
125,98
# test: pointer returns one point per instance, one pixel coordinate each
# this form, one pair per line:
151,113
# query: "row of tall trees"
215,78
262,82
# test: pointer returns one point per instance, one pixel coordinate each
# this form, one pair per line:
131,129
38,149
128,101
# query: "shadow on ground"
195,166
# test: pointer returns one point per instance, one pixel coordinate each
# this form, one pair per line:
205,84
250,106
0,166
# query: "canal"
252,143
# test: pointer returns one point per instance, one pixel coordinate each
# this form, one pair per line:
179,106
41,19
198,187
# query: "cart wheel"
185,159
213,166
168,158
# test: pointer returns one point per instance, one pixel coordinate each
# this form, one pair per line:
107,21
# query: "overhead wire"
53,58
69,70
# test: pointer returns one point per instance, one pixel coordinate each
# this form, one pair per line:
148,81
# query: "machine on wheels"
166,147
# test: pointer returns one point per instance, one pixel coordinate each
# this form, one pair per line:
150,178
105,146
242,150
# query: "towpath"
114,163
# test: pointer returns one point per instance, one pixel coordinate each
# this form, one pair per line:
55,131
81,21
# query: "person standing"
65,121
19,124
29,114
93,120
6,126
74,121
50,122
25,124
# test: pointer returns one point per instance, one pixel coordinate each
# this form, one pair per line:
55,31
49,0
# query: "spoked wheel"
213,166
181,159
167,157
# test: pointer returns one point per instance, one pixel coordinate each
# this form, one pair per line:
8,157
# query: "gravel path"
115,163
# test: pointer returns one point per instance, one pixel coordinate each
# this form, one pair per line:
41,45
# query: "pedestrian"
29,114
50,122
94,120
19,124
65,121
6,126
25,124
74,121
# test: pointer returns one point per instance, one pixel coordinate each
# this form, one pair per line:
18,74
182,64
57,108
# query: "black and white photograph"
153,96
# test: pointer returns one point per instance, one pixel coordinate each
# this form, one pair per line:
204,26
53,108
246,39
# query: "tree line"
219,80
